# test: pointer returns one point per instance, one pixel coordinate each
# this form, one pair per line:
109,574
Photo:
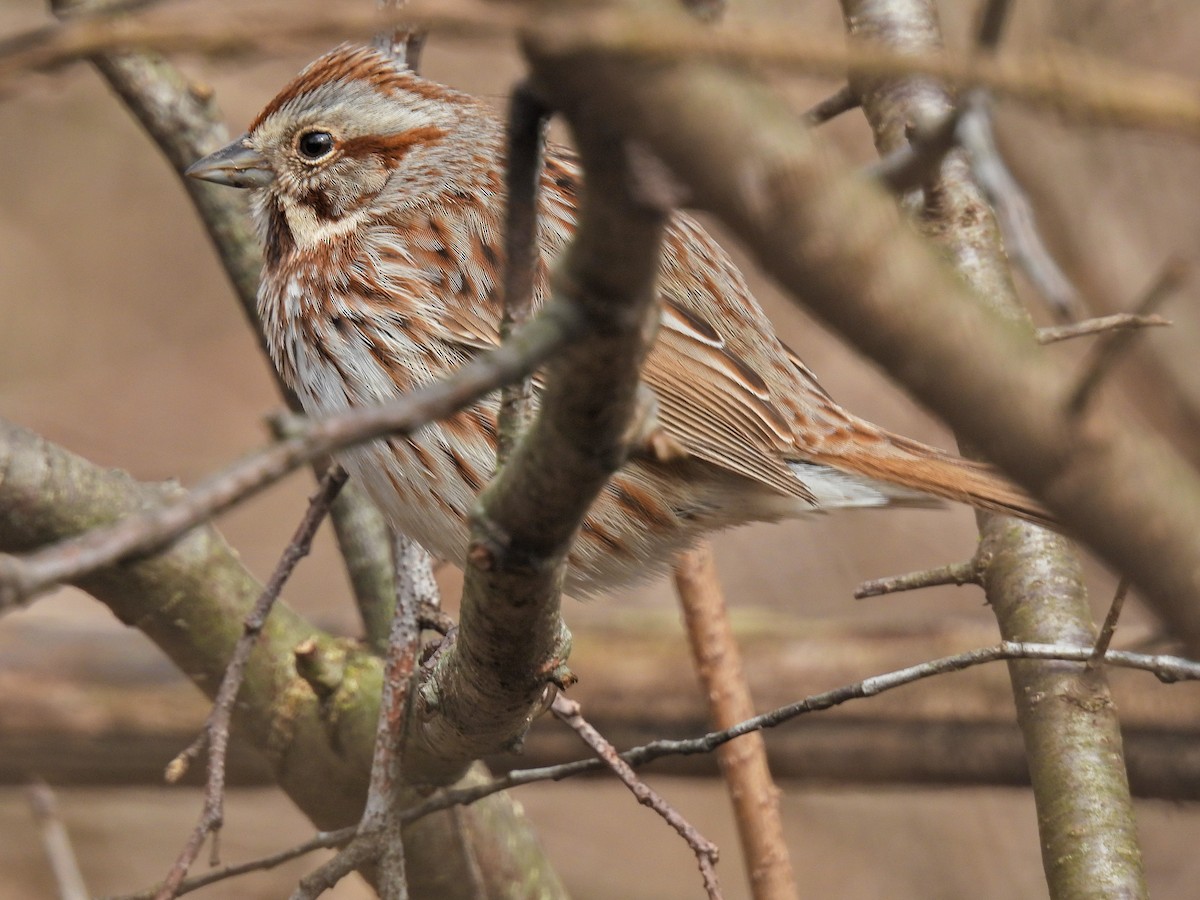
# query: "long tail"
918,469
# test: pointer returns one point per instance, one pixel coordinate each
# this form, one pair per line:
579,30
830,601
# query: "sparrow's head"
353,134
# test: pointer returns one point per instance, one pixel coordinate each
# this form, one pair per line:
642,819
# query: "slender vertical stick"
743,761
1033,578
56,841
527,119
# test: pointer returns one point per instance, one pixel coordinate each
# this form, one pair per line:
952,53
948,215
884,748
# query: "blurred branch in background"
890,294
80,729
1079,87
717,659
57,843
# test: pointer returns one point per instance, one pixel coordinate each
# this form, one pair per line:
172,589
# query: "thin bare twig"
706,851
1166,668
25,576
1110,625
718,662
1078,86
403,41
216,729
364,539
954,573
323,840
1116,322
528,117
1115,344
57,843
378,837
1014,212
913,165
841,101
992,19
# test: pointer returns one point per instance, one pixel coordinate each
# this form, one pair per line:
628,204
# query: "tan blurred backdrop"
119,339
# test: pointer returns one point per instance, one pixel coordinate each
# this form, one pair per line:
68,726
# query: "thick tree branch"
1068,719
1077,86
785,192
190,600
1033,578
512,644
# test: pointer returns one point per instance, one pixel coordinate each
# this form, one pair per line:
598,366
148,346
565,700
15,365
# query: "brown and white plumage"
380,198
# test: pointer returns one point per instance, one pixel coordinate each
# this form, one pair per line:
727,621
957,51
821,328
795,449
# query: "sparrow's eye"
315,145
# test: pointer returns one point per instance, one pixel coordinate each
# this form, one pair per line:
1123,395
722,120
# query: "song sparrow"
380,199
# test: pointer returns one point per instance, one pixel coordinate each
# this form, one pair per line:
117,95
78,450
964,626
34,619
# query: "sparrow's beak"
238,165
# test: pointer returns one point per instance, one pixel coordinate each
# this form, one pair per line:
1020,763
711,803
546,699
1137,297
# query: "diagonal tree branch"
190,600
1032,577
215,734
707,854
512,644
147,530
1077,86
1127,494
182,119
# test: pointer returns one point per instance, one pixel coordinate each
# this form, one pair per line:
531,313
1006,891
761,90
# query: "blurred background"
120,340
